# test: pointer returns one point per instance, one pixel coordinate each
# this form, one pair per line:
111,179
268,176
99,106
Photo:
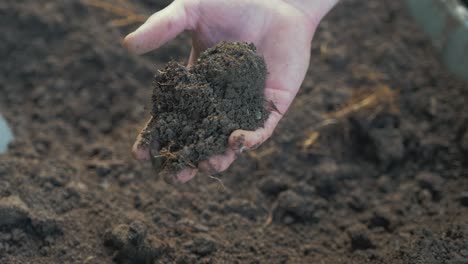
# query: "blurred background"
368,166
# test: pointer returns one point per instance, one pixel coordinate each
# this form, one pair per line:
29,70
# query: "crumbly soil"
385,184
195,110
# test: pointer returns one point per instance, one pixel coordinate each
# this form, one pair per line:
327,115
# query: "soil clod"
133,244
360,237
198,108
202,245
243,208
431,182
382,218
13,211
292,208
272,186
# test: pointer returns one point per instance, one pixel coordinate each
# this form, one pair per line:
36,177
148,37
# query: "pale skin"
282,31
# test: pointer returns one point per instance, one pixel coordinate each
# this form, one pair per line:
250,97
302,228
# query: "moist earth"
380,185
196,109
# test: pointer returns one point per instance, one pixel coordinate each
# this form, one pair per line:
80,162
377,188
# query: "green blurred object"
446,22
5,135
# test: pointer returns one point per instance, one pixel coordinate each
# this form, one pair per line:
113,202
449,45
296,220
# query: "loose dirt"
385,184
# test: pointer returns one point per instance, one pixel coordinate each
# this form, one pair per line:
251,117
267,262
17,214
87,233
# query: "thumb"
160,28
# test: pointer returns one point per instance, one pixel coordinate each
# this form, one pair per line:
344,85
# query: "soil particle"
381,137
356,202
13,211
202,245
360,237
46,226
133,244
292,208
195,226
431,182
325,177
242,207
382,217
198,108
59,175
463,199
464,141
389,145
272,186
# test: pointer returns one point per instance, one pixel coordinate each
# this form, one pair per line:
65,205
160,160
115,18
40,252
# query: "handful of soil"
195,110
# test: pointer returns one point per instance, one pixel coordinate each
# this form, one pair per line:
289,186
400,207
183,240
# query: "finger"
182,176
241,140
160,28
144,142
218,163
280,100
186,175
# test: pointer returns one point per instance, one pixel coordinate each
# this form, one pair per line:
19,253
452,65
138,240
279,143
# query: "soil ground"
386,184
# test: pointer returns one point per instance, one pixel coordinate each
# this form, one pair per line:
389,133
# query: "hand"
282,31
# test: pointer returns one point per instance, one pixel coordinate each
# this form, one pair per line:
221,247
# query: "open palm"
282,32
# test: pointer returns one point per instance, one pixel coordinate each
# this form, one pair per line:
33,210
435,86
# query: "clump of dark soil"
132,243
197,108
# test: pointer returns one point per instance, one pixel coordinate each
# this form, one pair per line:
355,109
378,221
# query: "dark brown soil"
195,110
380,185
